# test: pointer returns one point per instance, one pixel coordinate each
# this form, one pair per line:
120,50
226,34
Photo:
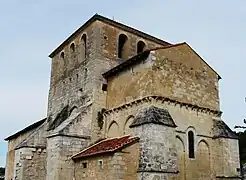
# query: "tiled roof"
106,146
153,115
221,130
112,23
141,56
136,59
28,128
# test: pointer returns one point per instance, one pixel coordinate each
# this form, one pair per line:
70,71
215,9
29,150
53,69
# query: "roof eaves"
135,59
168,46
126,63
132,30
110,22
30,127
86,24
77,156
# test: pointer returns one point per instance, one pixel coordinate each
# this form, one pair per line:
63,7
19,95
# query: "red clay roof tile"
105,146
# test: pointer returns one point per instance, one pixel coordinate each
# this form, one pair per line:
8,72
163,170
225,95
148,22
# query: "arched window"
113,130
83,42
122,46
85,74
62,56
140,46
191,144
72,47
126,129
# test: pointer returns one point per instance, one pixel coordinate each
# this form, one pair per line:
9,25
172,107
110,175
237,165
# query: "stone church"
124,105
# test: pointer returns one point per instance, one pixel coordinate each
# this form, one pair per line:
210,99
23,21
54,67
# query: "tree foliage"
242,146
2,171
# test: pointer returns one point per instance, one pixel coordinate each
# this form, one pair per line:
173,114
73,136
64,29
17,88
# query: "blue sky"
30,30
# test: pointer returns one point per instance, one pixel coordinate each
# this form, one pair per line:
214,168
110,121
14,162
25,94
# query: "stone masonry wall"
208,151
176,72
9,173
72,77
230,166
76,79
92,171
158,153
30,164
121,165
35,165
60,149
106,45
109,38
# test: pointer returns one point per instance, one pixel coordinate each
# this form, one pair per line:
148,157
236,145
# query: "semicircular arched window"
84,45
140,46
122,46
191,144
72,47
62,56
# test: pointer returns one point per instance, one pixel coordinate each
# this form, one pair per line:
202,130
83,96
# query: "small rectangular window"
104,87
100,164
84,165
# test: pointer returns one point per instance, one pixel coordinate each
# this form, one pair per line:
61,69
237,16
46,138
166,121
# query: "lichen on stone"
221,130
153,115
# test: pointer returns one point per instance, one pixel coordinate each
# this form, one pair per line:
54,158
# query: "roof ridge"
142,55
112,23
168,46
27,128
112,149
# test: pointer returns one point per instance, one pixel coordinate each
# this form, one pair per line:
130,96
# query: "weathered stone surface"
165,93
153,115
61,116
221,130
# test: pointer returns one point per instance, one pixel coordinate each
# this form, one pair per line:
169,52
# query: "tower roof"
153,115
112,23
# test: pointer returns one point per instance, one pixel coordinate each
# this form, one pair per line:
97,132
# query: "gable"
26,129
183,53
174,71
111,23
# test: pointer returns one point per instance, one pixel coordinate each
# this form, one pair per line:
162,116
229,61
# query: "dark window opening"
140,46
62,55
84,165
84,48
100,164
72,47
104,87
80,92
121,46
85,75
191,144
